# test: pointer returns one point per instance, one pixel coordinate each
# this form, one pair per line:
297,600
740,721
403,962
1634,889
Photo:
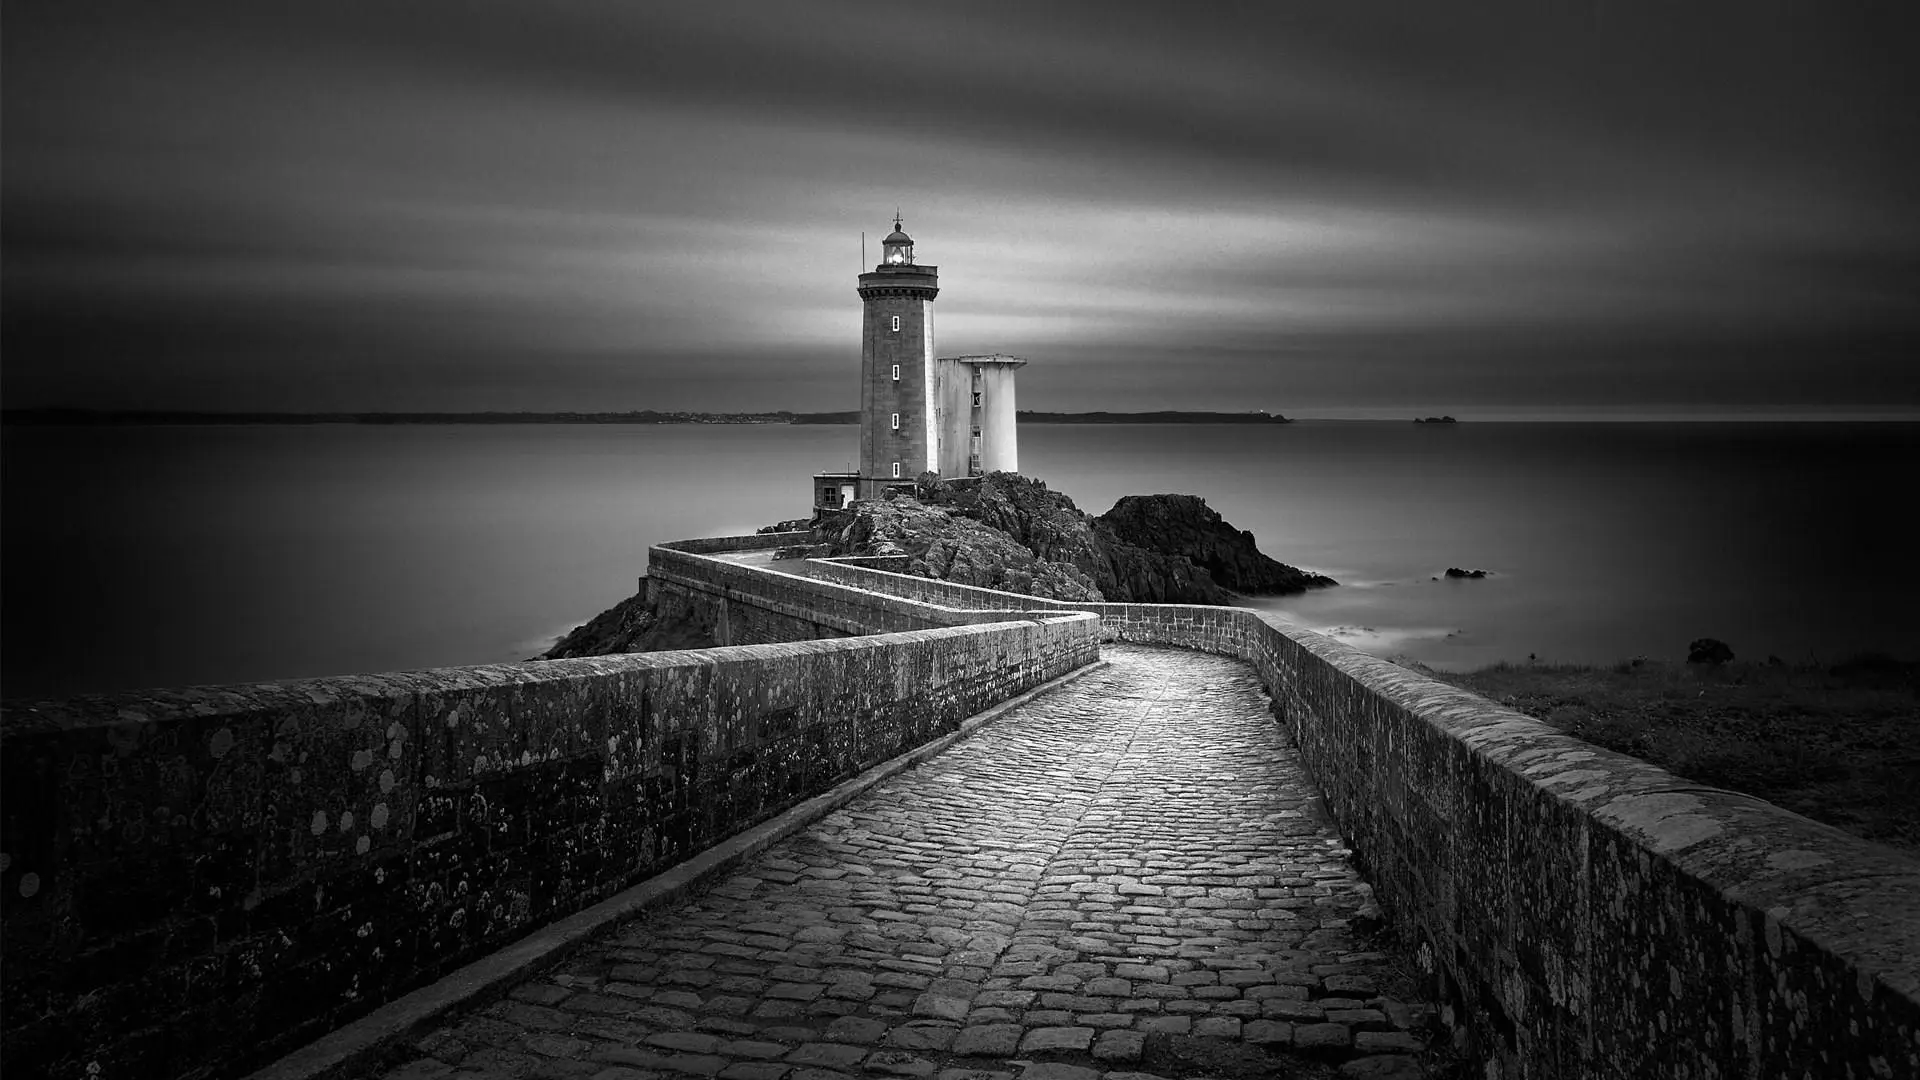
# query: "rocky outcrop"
1044,522
947,546
1138,576
1001,531
1457,573
1048,524
1157,549
1185,526
1708,650
618,629
632,626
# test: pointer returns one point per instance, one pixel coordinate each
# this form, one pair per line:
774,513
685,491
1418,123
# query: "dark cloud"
602,204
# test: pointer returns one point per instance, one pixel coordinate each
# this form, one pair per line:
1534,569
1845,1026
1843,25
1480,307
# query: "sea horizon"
48,416
157,556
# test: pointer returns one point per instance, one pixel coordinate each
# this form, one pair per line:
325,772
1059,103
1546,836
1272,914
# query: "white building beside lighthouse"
976,407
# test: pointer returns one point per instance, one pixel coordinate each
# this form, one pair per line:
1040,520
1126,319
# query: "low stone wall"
712,616
772,599
896,563
797,598
1593,914
714,545
1589,915
878,574
1190,626
197,880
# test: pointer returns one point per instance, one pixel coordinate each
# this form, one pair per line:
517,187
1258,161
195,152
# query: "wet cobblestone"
1135,857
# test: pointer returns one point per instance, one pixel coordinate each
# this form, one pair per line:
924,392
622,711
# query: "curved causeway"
1126,875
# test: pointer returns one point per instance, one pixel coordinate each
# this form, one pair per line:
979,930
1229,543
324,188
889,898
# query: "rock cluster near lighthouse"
1008,532
1011,532
948,546
1185,526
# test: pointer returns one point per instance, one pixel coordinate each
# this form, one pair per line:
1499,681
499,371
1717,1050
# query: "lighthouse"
952,416
899,430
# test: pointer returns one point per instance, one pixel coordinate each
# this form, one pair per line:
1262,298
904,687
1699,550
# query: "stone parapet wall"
1588,914
874,574
706,617
839,608
196,880
896,563
1191,626
713,545
1593,914
809,604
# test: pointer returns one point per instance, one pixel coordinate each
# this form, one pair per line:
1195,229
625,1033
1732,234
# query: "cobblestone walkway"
1126,876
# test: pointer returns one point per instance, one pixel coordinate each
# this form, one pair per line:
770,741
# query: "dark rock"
1368,919
631,626
1149,549
1708,650
946,546
1456,572
1435,420
795,525
615,630
1186,526
1136,575
1044,522
1048,524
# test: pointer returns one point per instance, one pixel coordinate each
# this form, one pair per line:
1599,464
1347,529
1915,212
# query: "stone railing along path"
1127,875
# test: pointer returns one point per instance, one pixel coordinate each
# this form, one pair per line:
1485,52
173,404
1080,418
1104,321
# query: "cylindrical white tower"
991,432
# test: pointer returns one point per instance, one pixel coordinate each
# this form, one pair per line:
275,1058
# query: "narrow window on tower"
896,470
896,373
896,324
896,421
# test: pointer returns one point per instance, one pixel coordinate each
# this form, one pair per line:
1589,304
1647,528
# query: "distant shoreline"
204,418
130,417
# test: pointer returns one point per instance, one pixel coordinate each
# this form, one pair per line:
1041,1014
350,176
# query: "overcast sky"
609,204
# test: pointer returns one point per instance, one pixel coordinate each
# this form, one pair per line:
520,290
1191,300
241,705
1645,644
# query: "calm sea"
167,556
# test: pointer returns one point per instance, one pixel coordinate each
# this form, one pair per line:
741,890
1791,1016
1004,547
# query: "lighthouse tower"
899,432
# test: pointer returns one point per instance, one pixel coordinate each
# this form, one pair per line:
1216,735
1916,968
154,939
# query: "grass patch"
1839,744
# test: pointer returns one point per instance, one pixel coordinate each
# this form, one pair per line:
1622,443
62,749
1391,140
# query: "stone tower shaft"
899,437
